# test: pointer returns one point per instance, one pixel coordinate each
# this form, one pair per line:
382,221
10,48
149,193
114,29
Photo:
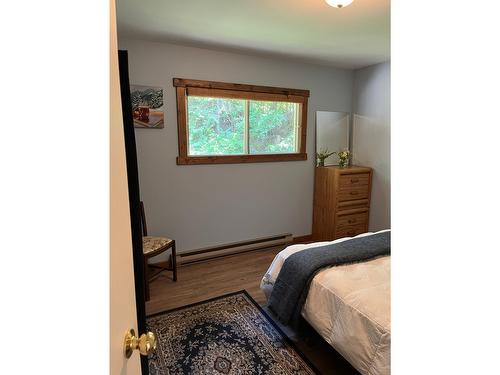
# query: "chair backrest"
143,221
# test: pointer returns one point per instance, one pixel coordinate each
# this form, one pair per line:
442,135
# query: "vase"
343,163
321,162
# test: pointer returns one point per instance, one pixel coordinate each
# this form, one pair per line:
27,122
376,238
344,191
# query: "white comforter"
349,306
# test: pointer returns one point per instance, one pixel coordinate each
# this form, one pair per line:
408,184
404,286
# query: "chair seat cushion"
151,243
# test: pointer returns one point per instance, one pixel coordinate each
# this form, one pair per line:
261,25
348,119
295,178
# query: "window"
232,123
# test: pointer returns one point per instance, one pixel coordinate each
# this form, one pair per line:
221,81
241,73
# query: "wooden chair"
152,246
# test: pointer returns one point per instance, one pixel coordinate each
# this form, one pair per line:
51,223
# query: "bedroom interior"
231,180
91,116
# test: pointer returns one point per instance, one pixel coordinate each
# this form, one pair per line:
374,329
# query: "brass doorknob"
146,344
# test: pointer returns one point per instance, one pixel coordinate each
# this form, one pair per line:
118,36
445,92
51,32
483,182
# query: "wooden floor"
200,281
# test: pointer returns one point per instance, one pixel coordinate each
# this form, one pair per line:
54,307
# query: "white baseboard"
233,248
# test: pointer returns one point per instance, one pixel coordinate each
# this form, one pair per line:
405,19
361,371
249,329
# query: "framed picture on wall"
147,106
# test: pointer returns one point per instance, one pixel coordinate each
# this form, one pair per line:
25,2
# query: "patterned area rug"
227,335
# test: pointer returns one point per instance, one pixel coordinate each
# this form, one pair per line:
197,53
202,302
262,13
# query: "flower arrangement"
344,158
322,155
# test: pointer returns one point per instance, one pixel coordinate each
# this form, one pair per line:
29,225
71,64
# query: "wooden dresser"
341,202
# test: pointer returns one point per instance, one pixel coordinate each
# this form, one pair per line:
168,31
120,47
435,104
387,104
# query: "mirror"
332,133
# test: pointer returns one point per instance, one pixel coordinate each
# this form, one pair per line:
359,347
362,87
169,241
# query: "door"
123,315
127,306
134,200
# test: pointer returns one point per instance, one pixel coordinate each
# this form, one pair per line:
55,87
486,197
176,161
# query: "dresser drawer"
354,204
350,230
351,193
354,180
352,219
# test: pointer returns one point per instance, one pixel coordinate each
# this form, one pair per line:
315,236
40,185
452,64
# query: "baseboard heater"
212,252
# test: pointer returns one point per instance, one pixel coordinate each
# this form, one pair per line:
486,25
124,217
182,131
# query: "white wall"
205,205
372,136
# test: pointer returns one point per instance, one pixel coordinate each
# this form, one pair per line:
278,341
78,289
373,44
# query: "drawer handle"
354,192
351,221
354,180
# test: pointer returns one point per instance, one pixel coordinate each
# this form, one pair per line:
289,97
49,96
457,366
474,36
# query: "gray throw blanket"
292,285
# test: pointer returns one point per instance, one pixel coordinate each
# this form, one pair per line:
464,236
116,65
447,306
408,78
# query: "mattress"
349,306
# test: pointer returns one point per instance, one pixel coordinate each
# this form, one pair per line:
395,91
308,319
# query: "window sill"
234,159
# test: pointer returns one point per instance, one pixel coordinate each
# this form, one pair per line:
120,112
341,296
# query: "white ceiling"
306,30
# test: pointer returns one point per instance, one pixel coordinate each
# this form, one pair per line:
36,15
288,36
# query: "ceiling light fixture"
339,3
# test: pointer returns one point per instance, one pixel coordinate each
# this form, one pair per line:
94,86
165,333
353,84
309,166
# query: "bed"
349,306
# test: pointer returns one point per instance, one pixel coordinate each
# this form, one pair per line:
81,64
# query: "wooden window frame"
186,87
